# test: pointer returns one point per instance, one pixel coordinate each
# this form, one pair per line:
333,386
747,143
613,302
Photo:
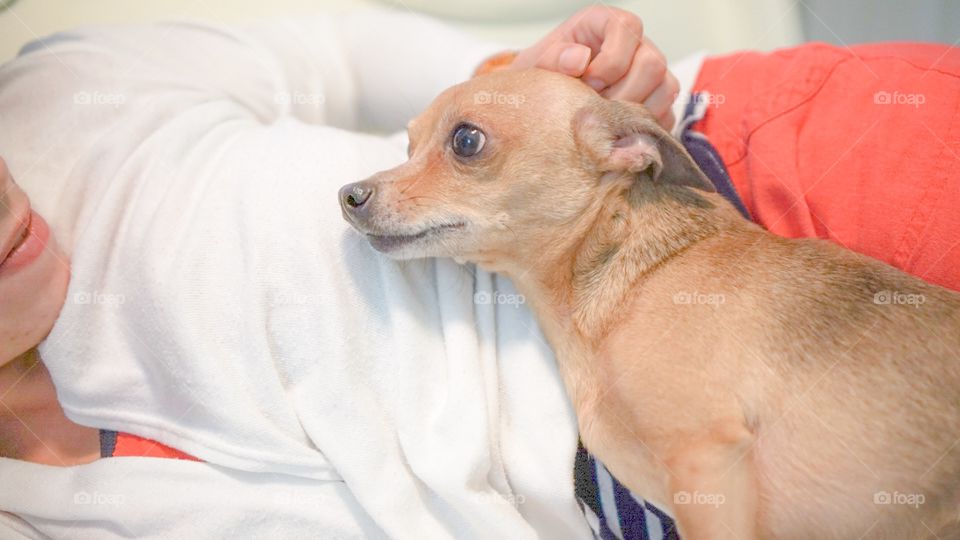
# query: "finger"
6,182
647,72
668,120
527,58
621,37
562,57
661,100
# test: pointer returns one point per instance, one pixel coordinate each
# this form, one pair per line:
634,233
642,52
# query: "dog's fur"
757,386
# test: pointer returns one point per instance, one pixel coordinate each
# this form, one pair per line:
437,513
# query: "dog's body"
759,387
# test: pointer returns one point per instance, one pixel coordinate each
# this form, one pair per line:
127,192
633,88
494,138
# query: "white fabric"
165,498
686,72
220,305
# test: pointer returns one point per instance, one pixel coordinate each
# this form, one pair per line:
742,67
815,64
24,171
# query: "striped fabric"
611,510
614,513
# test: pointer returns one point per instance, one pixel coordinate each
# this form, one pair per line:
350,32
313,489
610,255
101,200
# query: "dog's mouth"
391,242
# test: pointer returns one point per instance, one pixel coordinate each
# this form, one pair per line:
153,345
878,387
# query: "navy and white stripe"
613,512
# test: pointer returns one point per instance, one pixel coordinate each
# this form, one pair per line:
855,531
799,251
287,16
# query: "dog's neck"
578,288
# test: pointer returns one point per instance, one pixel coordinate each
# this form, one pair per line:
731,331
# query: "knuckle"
609,67
633,23
619,64
592,10
629,22
651,63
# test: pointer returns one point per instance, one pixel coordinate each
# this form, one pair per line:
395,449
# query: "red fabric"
860,146
132,446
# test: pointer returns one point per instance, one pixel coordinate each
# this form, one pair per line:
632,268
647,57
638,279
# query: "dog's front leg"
714,488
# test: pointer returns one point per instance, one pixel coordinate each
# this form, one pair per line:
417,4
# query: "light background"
679,26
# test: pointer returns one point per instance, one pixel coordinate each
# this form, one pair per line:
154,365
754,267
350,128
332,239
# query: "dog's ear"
617,136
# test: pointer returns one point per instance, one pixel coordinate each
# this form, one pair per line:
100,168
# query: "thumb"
567,58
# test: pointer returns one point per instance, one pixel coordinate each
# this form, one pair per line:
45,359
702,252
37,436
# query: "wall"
679,26
860,21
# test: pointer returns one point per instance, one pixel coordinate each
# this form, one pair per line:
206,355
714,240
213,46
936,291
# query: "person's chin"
32,298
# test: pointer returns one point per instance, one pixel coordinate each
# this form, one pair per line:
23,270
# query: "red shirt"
857,145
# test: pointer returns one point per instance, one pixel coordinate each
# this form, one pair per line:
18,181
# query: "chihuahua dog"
755,386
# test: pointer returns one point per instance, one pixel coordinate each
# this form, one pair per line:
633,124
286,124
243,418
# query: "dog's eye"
467,140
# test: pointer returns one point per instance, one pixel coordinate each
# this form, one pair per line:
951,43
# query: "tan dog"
758,387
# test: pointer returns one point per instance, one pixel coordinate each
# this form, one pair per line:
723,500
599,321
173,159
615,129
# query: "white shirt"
220,305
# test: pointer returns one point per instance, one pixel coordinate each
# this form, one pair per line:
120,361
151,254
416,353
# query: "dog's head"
505,163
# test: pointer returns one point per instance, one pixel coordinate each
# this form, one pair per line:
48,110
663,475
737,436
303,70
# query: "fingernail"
573,60
596,84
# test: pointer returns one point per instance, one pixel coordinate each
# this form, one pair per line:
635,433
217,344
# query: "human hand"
605,47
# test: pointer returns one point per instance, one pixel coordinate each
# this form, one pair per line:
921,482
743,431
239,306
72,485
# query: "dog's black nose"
353,196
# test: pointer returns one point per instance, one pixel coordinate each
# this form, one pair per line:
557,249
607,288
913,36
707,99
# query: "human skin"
33,281
33,277
607,48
